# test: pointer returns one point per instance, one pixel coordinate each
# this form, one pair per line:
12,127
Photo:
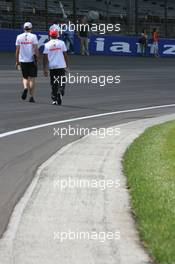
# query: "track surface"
144,82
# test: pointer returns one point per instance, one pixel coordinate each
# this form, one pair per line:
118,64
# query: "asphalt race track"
145,82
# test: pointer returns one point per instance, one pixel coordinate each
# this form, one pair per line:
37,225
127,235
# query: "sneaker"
59,99
54,102
31,100
24,94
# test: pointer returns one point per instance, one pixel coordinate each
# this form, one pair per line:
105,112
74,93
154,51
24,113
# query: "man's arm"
36,52
17,55
45,64
66,59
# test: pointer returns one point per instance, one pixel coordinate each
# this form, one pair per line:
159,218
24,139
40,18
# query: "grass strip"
149,164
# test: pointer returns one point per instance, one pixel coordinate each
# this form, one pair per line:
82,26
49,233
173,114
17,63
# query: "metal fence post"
14,14
46,14
74,11
166,17
136,17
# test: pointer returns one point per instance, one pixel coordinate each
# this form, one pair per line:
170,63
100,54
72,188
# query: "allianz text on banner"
98,44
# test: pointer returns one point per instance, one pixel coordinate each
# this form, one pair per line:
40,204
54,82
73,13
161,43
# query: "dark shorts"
29,69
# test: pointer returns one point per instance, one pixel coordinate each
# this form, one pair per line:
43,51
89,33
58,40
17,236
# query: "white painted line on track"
21,130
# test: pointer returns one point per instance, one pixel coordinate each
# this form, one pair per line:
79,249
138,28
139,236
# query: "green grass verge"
149,164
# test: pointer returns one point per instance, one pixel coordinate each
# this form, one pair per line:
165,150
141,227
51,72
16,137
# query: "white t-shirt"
26,41
55,48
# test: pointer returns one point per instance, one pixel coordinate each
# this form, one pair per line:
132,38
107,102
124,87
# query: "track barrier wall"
98,44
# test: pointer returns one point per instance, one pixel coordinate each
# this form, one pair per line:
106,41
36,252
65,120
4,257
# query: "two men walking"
55,59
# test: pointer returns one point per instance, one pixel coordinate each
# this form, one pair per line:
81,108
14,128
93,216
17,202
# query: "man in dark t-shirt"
83,33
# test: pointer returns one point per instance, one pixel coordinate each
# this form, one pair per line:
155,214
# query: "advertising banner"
98,44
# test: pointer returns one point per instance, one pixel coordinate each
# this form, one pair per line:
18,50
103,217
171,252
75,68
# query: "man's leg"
82,46
31,88
25,83
71,45
26,88
86,44
143,49
157,50
62,83
32,77
60,76
67,44
54,80
24,69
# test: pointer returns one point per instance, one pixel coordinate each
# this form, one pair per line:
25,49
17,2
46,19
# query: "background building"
134,15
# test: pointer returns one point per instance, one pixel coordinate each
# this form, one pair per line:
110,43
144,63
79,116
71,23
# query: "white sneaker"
54,102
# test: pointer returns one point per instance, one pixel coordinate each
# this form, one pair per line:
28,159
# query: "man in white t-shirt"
55,58
27,55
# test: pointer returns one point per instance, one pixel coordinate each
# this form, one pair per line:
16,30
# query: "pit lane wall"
98,44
